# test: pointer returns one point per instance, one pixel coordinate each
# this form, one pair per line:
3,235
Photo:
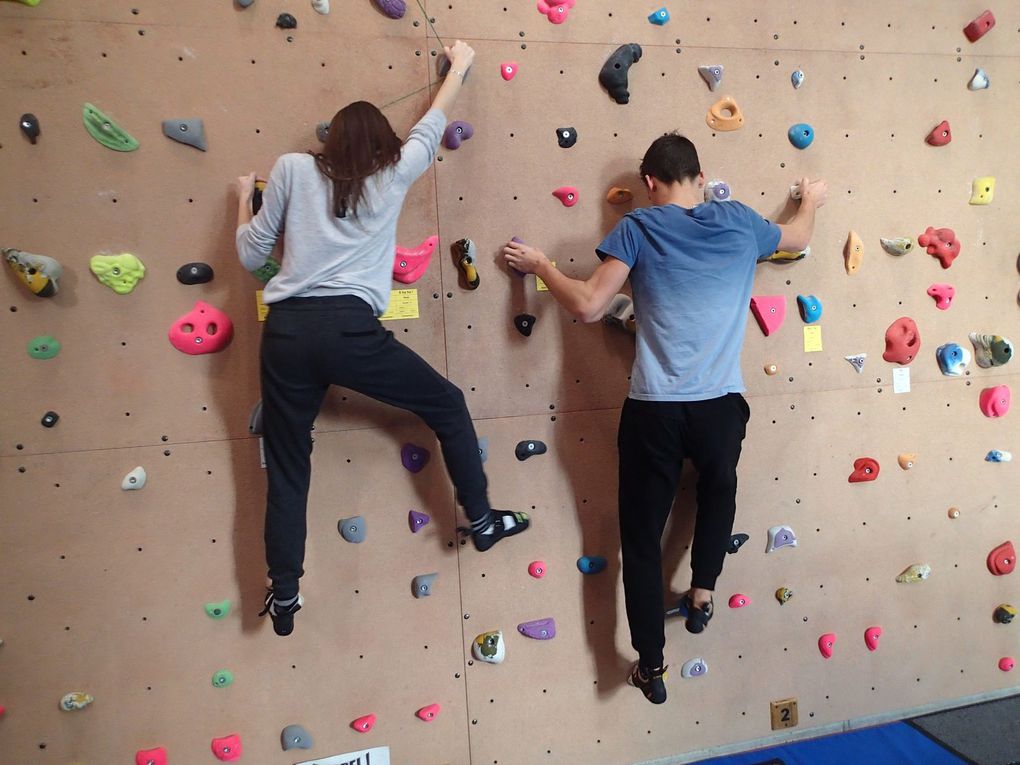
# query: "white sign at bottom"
380,755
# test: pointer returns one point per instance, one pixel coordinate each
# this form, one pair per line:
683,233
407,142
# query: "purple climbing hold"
414,457
417,521
456,133
540,629
395,9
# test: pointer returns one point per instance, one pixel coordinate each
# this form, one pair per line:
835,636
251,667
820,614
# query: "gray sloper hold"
421,585
295,737
352,529
613,76
527,449
190,132
322,131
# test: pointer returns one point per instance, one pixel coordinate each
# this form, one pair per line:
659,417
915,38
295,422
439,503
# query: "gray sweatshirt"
324,254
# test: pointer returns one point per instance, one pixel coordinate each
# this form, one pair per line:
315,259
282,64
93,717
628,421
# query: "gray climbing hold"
421,585
352,529
190,132
245,3
295,737
30,126
527,449
255,419
322,131
712,75
613,76
286,21
483,448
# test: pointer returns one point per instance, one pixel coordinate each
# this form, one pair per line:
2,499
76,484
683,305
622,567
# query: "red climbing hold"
1002,560
155,756
227,748
943,295
995,401
364,724
976,29
203,329
508,70
567,195
410,263
871,636
555,10
428,714
902,341
940,135
1006,663
769,310
865,469
941,243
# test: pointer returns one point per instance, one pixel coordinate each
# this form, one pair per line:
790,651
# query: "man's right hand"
813,192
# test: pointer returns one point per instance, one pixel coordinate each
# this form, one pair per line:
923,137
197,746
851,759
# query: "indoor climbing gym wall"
871,572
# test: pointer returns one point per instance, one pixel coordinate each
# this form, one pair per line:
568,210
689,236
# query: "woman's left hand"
245,185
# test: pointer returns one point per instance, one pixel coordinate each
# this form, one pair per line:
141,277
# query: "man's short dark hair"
671,158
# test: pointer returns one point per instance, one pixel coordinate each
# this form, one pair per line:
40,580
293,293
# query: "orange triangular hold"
770,311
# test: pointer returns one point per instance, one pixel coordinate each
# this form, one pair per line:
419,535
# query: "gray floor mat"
988,734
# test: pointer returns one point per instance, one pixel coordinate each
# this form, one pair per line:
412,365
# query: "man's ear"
650,183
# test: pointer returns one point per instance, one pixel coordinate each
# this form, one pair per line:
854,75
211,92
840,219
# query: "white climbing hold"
979,81
489,647
797,78
695,667
857,361
321,6
134,480
75,700
780,536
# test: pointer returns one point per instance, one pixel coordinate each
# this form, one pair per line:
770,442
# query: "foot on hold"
499,524
651,682
697,616
282,611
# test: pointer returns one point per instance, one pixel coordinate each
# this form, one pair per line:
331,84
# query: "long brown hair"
360,143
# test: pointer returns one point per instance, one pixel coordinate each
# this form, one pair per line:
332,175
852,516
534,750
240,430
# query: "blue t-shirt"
691,272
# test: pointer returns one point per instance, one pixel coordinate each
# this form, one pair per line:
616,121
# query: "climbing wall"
106,590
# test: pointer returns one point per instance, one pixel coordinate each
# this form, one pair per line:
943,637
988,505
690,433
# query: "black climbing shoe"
282,616
505,523
650,681
697,617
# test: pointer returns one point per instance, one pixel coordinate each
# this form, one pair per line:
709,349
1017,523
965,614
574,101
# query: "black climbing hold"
567,137
256,197
49,419
613,76
736,541
30,126
194,273
524,323
286,21
527,449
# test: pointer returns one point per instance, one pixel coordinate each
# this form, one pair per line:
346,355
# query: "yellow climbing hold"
118,272
915,573
983,190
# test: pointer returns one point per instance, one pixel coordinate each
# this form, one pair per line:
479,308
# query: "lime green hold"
106,131
43,347
118,272
267,270
223,678
32,3
217,610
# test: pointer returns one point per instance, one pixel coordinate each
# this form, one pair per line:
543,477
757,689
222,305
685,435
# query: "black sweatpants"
654,439
311,343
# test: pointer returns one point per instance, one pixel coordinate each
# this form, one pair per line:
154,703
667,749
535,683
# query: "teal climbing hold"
801,135
223,678
43,347
591,564
659,17
106,131
217,610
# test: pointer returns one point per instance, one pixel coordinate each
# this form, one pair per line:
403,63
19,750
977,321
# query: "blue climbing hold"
591,564
801,135
659,17
810,308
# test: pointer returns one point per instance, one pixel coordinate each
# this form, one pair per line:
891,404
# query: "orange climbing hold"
853,253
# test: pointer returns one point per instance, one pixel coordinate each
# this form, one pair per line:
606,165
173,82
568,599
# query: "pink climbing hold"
943,295
417,521
995,401
410,263
865,469
976,29
1006,663
555,10
1002,560
941,243
826,643
537,568
739,601
203,329
227,748
940,135
567,195
770,311
508,70
902,341
364,724
429,713
395,9
871,636
155,756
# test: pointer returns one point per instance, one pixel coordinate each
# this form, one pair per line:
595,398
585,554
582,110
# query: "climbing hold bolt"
29,125
976,29
429,713
591,564
1006,663
941,243
186,131
613,76
783,594
555,10
508,70
659,17
286,21
227,748
540,629
902,341
906,460
525,449
217,610
421,585
769,311
736,542
222,678
456,133
49,419
1004,613
395,9
567,195
724,115
853,253
566,137
998,455
865,469
900,245
537,568
489,647
694,668
352,529
982,190
797,78
857,361
410,263
739,601
717,191
414,458
712,75
952,358
940,135
801,135
195,273
417,521
40,273
810,308
979,81
75,700
118,272
134,480
464,253
914,573
991,350
364,724
1002,560
943,295
524,323
871,636
994,401
618,195
43,347
826,643
203,329
780,536
295,737
106,131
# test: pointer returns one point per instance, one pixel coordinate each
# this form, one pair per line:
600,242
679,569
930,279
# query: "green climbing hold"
118,272
267,270
43,347
217,610
32,3
106,131
223,678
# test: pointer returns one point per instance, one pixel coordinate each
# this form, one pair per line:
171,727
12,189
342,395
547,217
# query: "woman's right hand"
460,55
